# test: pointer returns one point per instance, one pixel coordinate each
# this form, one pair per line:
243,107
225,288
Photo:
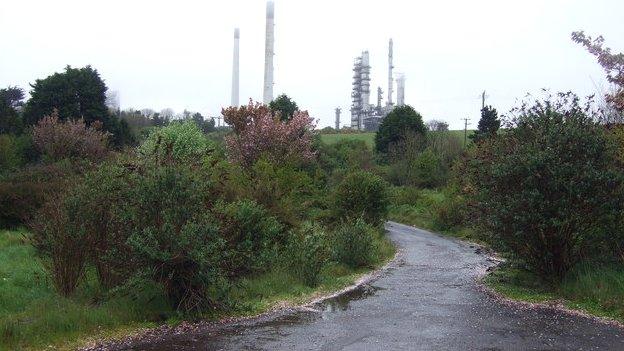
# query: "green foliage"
548,188
354,243
77,92
10,120
24,191
361,194
345,155
308,252
15,151
251,235
178,141
393,128
284,106
488,124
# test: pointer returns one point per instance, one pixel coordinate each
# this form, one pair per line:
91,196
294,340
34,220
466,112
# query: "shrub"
361,194
257,133
308,252
354,243
64,250
394,127
96,206
174,241
15,151
58,140
23,192
548,187
251,235
178,141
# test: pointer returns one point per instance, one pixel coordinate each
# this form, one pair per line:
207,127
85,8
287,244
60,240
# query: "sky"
178,54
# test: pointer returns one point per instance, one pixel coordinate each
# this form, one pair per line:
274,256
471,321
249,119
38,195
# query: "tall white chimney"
267,95
401,90
235,69
390,78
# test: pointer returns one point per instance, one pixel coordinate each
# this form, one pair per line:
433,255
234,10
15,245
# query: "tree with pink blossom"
257,133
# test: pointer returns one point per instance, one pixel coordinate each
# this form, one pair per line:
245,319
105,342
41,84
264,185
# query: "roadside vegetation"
173,221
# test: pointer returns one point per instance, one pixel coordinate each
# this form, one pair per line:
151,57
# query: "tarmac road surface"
428,300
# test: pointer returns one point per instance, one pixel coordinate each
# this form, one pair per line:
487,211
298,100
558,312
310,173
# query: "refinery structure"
364,115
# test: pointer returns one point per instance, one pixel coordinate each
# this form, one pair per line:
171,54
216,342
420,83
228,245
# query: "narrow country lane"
429,300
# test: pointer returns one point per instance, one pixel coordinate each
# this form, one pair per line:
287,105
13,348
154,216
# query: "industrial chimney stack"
235,69
267,95
390,78
400,90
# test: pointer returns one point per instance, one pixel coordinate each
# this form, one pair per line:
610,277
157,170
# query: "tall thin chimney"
390,78
338,118
235,69
267,95
401,90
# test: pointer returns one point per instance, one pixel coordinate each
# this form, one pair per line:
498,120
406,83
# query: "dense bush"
354,243
24,191
251,235
57,140
179,141
15,151
548,188
307,253
65,250
396,125
361,194
344,156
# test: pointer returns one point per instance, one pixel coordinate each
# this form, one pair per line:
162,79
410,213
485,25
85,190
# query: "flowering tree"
72,138
613,64
257,133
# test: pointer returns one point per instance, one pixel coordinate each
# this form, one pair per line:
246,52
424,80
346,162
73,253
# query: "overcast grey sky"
178,54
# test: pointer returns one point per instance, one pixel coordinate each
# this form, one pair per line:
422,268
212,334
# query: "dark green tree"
285,106
488,124
206,125
396,125
11,98
75,93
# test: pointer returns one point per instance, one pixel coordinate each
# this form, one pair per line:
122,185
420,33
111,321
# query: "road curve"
429,300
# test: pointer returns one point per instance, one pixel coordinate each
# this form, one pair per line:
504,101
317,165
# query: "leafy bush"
354,243
178,141
361,194
174,240
23,192
548,187
251,235
15,151
396,125
65,250
308,252
58,140
345,155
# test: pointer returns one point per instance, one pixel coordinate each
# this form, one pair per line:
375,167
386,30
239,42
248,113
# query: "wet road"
429,300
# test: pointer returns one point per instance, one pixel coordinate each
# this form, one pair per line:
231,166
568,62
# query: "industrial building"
364,115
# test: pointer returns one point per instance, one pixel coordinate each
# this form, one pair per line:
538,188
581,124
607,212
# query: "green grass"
416,207
369,138
597,290
33,316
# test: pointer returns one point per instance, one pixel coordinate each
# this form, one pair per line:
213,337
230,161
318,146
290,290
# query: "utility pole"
465,129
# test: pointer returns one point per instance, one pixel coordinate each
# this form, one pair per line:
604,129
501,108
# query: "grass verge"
34,317
596,290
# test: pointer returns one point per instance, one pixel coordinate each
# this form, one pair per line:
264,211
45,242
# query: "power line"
465,129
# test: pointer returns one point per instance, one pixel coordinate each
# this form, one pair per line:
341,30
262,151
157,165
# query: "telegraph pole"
465,129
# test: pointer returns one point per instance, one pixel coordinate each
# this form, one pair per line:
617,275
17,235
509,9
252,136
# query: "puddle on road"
273,328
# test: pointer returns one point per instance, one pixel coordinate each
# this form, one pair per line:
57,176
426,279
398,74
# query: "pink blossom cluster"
257,133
